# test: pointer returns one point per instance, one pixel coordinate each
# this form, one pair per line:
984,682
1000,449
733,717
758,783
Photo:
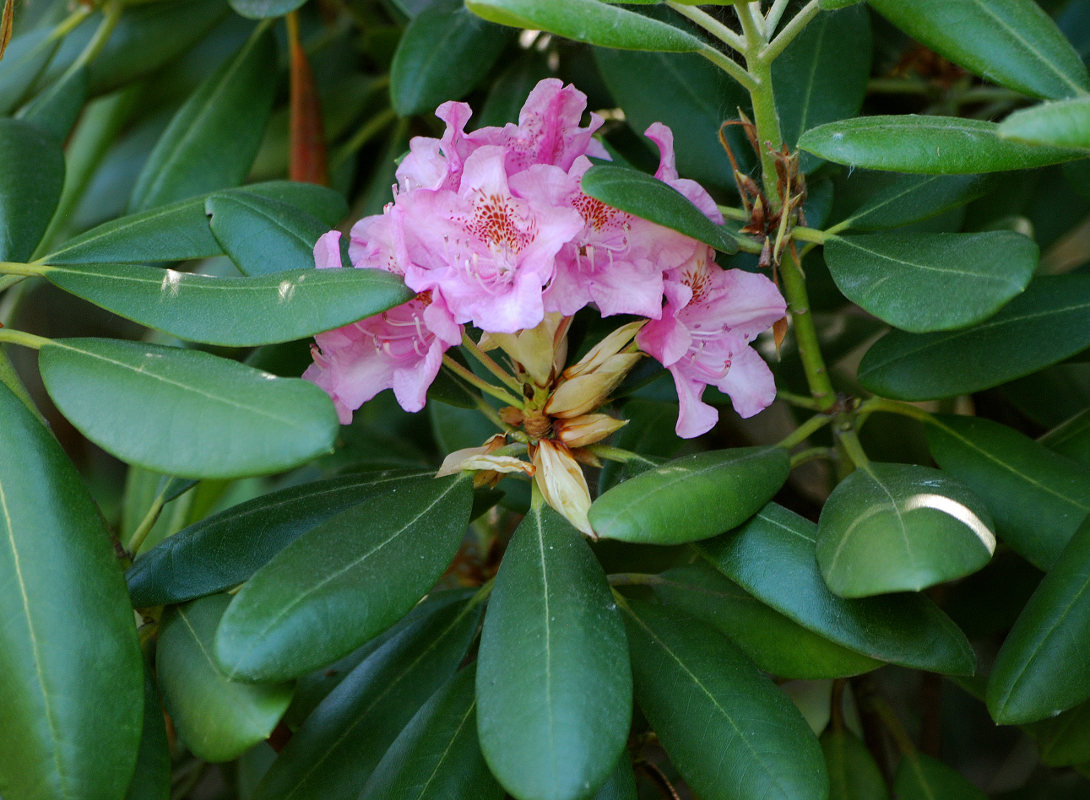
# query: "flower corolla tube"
492,231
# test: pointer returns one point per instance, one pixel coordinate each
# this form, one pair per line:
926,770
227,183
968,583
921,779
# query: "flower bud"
587,429
610,346
538,350
591,388
563,484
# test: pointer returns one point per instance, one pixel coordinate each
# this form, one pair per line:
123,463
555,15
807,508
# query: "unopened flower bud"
590,389
606,349
563,484
587,429
484,462
536,349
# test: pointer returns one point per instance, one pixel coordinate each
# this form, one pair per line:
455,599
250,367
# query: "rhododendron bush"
567,400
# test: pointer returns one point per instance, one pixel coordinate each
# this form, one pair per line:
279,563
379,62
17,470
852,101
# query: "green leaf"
589,21
1037,497
1011,42
776,645
1047,323
832,5
216,718
651,199
444,52
1064,740
853,774
1071,438
151,778
437,755
689,94
234,312
553,682
923,282
930,145
180,231
184,412
692,497
263,235
900,527
264,9
30,186
911,198
772,558
369,563
621,784
729,731
332,754
225,549
921,777
58,107
817,79
212,140
24,60
1040,669
1065,123
70,665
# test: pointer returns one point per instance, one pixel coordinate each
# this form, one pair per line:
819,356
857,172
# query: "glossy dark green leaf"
216,718
185,412
835,4
173,25
1065,123
369,563
853,773
262,235
444,52
1040,669
437,755
589,21
930,145
691,96
151,778
1037,498
1044,325
180,231
729,731
775,644
58,106
70,665
30,186
25,58
212,140
692,497
225,549
1011,42
332,754
649,198
621,784
818,79
234,312
553,683
262,9
772,557
931,281
1071,438
901,527
1064,740
911,198
921,777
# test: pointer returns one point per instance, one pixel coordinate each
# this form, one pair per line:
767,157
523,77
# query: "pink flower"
486,251
703,339
393,350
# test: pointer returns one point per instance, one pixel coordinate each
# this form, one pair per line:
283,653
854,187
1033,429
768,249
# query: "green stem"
611,453
70,23
486,387
370,129
10,378
635,579
710,24
798,302
21,269
797,400
111,16
811,235
490,364
810,454
765,118
23,338
775,14
744,78
729,212
145,526
850,442
8,281
805,430
792,29
878,404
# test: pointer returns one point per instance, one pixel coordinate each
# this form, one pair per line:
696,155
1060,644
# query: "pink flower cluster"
491,228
